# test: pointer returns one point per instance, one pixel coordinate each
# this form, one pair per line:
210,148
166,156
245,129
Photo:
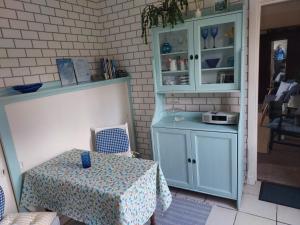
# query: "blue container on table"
86,159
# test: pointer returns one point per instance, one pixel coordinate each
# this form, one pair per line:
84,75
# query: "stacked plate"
183,79
169,80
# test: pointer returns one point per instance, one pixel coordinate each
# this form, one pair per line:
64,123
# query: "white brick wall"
35,32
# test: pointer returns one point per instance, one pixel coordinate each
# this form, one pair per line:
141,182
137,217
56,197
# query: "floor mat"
280,194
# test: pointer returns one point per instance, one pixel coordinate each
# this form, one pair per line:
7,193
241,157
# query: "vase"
166,48
198,13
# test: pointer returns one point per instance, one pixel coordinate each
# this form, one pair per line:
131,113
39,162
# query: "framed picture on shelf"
221,5
66,72
82,70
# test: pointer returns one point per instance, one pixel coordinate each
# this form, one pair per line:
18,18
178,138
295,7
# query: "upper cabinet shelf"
217,49
201,55
174,53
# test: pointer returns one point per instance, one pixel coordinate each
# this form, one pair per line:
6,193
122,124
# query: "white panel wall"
45,127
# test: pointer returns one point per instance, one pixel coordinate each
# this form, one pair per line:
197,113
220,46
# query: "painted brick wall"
121,39
36,32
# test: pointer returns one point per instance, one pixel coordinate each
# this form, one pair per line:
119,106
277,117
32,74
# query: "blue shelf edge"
8,95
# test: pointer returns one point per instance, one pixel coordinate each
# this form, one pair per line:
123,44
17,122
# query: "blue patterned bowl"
212,63
27,88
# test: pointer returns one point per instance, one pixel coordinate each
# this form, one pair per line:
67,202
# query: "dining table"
115,190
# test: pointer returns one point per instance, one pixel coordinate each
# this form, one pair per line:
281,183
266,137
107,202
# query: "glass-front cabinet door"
218,45
173,52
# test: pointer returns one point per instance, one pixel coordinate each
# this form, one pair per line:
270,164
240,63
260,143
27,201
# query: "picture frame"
82,70
220,5
66,72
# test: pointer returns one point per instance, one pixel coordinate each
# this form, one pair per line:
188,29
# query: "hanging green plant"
168,12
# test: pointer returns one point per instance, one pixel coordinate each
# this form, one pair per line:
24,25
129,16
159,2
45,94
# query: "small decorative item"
27,88
167,13
230,61
121,73
173,64
214,32
85,159
221,5
221,77
198,12
82,71
66,72
113,68
230,35
166,48
108,68
212,63
204,35
225,77
182,64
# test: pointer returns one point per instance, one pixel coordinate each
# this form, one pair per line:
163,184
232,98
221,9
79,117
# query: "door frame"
253,78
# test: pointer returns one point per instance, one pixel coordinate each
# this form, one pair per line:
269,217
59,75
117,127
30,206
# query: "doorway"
278,154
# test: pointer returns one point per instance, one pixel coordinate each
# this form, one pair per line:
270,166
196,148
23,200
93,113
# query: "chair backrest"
2,203
113,139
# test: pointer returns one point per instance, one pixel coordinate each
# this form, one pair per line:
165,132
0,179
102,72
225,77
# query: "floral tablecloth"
115,190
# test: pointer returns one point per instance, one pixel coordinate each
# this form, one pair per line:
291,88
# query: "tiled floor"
251,212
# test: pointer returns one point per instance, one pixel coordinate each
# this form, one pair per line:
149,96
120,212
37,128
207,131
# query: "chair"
277,96
112,140
283,125
33,218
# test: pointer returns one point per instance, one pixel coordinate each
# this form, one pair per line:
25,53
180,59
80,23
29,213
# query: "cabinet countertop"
192,121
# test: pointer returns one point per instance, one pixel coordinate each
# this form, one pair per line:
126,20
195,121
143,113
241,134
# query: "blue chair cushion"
287,125
114,140
2,203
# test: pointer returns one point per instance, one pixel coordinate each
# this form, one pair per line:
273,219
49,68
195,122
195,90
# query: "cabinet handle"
194,161
189,160
196,56
191,57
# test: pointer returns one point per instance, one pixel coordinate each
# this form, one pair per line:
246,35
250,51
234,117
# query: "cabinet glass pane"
174,57
217,53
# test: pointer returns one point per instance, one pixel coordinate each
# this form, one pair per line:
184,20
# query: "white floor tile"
247,219
288,215
278,223
250,204
252,189
221,216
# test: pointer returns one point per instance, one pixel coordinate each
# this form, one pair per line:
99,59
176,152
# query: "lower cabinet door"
172,149
215,163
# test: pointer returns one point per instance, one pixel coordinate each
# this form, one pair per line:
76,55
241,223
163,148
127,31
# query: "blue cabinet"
202,161
215,163
172,149
200,55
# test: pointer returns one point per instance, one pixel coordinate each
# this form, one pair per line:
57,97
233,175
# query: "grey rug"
181,212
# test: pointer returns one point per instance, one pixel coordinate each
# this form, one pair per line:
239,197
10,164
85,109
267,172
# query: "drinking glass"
214,32
86,159
204,34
